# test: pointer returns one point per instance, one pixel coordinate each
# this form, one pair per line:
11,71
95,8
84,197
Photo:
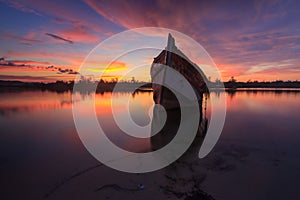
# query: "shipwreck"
174,58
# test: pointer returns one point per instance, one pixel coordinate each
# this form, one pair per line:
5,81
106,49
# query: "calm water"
41,156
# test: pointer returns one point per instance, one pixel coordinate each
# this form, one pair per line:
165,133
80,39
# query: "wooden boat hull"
175,59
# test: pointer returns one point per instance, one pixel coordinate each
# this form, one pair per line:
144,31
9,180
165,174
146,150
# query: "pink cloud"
78,26
21,39
237,35
79,34
141,14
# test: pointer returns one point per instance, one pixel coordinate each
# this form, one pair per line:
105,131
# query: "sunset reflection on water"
259,144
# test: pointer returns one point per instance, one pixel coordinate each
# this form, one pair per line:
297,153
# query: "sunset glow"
46,41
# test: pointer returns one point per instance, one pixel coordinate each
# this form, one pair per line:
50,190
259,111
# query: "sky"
48,40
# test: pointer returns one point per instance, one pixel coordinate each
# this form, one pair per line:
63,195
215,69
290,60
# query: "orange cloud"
103,67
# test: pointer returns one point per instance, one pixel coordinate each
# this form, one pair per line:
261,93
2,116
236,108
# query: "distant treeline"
256,84
102,86
81,86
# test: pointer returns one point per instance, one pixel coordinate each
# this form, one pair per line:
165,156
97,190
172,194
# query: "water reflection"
18,102
163,131
259,146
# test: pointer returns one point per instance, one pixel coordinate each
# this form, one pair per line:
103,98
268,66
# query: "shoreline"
101,87
143,89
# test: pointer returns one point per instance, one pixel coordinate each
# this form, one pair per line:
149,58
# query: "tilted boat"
175,59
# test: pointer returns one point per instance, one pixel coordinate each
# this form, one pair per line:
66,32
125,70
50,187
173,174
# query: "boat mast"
168,60
170,48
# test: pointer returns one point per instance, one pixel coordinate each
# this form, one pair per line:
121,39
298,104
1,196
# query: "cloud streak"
72,18
34,66
59,38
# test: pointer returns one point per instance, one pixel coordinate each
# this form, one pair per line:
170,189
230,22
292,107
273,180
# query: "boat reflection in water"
185,176
174,108
174,78
165,125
